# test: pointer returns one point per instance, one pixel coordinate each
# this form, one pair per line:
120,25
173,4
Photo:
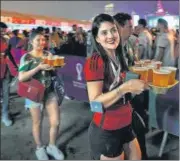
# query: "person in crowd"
145,40
68,47
23,44
8,35
172,33
74,29
13,42
40,29
79,37
50,44
153,32
125,28
38,71
59,31
80,30
8,68
110,130
31,31
79,43
134,41
47,38
55,38
136,31
64,36
176,49
88,43
164,44
124,22
80,46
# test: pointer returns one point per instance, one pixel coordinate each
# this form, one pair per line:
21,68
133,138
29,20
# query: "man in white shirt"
145,40
164,44
134,41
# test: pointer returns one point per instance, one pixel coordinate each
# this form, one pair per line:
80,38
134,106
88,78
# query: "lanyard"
116,75
116,78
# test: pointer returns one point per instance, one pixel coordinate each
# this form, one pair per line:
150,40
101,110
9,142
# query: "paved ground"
17,142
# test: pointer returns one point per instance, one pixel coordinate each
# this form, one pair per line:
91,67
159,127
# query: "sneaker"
53,151
7,121
41,154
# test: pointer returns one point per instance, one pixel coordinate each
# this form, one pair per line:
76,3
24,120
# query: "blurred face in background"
79,37
136,30
160,27
140,27
79,29
74,27
127,29
3,31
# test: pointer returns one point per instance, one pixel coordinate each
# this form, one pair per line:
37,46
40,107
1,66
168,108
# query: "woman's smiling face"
108,36
38,42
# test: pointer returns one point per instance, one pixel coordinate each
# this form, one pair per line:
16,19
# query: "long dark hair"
97,48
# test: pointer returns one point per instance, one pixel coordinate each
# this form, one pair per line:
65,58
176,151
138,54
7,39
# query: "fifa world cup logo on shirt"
79,71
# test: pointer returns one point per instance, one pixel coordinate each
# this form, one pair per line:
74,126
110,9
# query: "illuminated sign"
40,22
135,20
6,19
173,21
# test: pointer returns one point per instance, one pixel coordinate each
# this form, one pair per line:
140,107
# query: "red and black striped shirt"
117,116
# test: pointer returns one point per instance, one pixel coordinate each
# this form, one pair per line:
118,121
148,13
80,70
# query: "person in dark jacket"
68,47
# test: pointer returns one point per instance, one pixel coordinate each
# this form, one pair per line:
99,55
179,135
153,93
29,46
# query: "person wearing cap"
164,44
8,69
145,40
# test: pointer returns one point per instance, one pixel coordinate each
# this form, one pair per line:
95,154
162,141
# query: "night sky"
85,10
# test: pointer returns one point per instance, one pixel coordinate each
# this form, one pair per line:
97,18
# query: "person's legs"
54,120
132,150
120,157
5,102
37,116
53,111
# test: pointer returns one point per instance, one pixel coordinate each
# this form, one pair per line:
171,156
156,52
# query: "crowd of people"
112,46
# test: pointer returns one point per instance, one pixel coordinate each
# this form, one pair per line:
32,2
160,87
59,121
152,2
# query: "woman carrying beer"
31,66
110,130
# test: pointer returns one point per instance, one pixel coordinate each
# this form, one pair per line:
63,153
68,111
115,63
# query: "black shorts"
106,142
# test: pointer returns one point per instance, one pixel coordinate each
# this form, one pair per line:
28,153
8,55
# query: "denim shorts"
47,98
